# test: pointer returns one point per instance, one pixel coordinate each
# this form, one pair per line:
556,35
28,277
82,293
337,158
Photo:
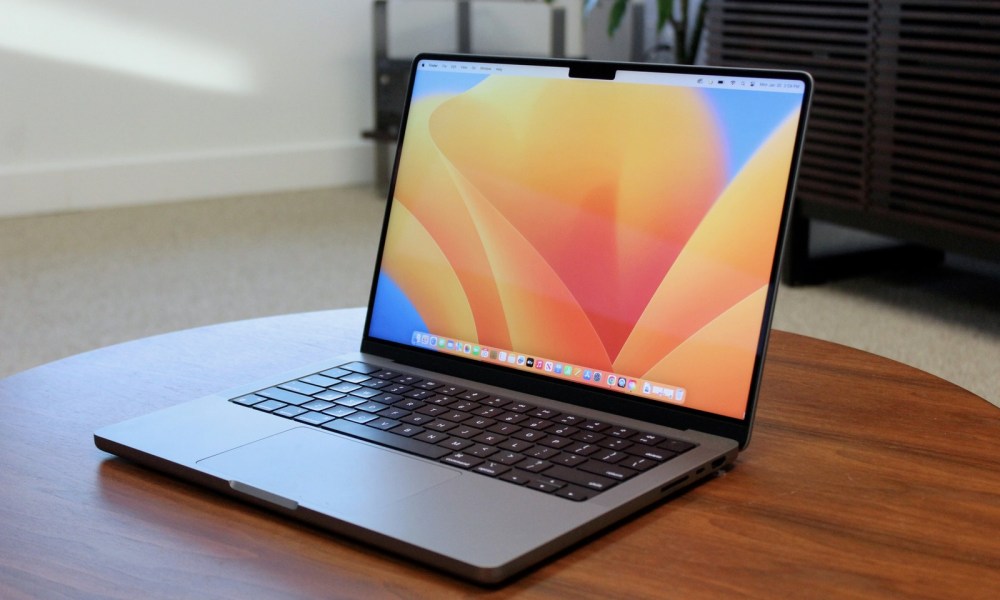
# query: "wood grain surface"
864,478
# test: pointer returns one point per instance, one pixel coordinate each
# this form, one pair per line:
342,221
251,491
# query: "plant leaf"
616,16
664,13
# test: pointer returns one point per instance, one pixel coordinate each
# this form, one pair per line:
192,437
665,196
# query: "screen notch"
593,70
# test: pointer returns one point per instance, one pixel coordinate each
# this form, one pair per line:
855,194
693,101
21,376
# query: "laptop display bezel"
671,415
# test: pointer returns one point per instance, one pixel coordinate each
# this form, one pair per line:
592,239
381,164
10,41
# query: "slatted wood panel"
832,41
937,129
904,136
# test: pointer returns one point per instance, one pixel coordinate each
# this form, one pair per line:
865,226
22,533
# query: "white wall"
113,102
106,102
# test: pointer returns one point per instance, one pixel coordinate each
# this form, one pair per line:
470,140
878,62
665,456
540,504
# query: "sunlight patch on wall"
93,38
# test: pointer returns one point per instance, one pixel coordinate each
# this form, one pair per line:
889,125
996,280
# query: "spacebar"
385,438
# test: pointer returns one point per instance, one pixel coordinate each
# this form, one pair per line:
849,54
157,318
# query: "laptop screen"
619,233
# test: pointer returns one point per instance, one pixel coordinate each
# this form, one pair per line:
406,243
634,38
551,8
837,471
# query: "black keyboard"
553,452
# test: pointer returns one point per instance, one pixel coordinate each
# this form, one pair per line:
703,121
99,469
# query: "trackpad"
324,472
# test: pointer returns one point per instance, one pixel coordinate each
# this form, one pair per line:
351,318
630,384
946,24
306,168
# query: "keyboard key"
534,465
339,411
418,419
638,463
573,492
488,437
543,413
507,457
496,401
269,405
360,417
330,395
614,443
409,404
588,437
382,423
375,384
650,452
290,412
318,405
351,401
570,460
464,431
456,416
431,437
462,460
480,422
594,425
394,413
432,410
454,443
512,417
441,400
320,380
488,411
355,378
450,390
386,438
563,430
515,476
556,442
407,430
542,452
336,373
385,374
492,468
386,398
360,367
530,435
429,384
621,432
465,406
366,393
541,486
371,406
677,446
248,400
480,450
516,445
583,449
569,419
345,387
608,456
440,425
519,407
284,396
581,478
505,428
616,472
313,418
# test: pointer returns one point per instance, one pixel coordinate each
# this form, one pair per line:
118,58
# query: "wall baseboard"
78,186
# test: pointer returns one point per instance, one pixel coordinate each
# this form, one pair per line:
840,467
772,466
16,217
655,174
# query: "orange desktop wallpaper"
612,226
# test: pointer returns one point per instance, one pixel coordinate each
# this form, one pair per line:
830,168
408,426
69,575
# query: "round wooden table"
864,478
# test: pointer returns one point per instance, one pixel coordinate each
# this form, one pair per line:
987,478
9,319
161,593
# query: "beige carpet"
74,282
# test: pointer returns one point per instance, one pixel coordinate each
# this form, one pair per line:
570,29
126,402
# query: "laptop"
567,323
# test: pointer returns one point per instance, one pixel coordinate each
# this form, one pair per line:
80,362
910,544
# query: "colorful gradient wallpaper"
627,228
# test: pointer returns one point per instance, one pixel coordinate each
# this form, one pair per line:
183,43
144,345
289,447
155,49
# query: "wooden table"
864,478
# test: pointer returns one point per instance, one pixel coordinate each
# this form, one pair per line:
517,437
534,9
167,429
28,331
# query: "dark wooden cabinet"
904,134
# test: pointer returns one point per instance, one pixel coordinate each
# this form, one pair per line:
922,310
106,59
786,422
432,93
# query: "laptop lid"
607,235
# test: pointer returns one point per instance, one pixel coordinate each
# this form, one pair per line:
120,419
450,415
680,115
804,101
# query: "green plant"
686,28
